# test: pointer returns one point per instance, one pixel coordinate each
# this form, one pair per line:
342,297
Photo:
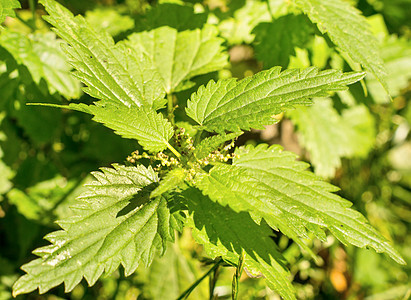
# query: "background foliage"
359,141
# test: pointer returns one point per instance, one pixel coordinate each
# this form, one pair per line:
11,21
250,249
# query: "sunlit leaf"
114,223
251,102
270,184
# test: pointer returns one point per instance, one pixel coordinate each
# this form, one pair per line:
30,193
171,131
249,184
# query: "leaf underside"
115,223
251,102
270,184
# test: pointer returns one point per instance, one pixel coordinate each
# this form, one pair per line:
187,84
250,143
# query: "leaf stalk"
172,149
170,108
32,6
195,284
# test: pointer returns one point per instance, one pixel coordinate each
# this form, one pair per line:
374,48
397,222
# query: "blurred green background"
46,154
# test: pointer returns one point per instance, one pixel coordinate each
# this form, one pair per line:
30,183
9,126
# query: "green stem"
195,284
28,24
32,5
176,153
213,281
237,275
197,139
170,108
269,9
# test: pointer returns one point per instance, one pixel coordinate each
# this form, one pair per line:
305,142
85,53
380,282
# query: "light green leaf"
116,73
226,233
115,223
238,28
349,30
329,136
5,175
109,19
169,276
362,124
170,181
5,172
396,53
41,54
211,143
251,102
7,8
179,56
145,125
269,183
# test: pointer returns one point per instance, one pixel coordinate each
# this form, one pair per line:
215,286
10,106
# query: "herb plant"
189,171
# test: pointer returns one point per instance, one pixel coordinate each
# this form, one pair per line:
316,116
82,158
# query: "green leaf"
251,102
275,42
28,117
41,54
110,20
396,53
116,73
145,125
169,276
180,16
349,30
238,28
329,136
5,172
170,181
7,8
211,143
269,183
5,175
362,124
114,223
41,202
179,56
226,233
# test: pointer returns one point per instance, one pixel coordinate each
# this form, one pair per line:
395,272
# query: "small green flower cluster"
219,155
163,159
184,142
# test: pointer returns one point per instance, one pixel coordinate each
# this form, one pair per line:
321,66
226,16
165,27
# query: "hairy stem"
237,275
195,284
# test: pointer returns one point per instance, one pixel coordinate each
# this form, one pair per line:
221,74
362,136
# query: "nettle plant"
234,199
